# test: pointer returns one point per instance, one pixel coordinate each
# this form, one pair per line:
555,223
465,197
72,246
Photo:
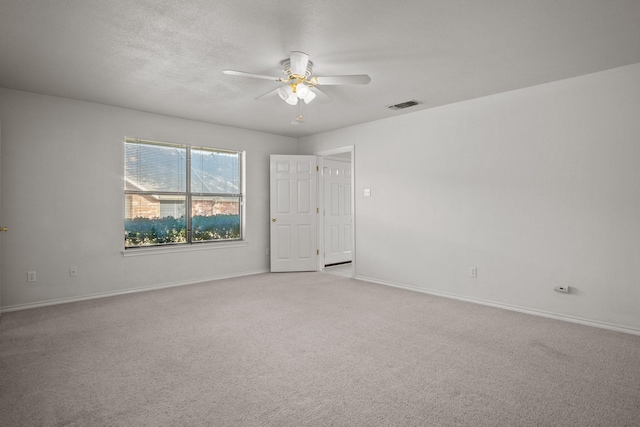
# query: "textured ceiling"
167,57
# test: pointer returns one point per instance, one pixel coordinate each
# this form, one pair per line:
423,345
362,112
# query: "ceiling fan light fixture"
310,97
302,91
293,100
285,92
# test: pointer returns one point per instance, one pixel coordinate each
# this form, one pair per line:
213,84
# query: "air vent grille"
403,105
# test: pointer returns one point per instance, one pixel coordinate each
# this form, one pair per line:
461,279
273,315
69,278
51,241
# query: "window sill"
156,250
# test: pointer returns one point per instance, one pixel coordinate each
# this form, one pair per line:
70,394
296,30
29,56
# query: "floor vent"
402,105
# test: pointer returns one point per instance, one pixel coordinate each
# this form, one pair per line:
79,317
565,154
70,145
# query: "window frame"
189,195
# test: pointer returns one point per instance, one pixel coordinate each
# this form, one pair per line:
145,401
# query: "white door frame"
326,153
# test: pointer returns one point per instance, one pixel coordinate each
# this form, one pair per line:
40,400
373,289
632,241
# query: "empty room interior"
358,213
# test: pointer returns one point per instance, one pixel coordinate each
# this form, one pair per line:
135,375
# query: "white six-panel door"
337,211
293,202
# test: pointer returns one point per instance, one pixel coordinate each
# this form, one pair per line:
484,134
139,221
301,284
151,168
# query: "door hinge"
317,168
317,251
317,210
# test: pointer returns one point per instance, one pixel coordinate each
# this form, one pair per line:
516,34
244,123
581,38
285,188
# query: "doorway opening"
336,228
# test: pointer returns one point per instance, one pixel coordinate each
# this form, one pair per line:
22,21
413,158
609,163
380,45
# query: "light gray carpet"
308,349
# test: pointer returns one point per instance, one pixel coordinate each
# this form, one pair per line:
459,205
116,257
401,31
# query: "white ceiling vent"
403,105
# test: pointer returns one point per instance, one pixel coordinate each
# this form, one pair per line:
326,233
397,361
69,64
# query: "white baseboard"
557,316
126,291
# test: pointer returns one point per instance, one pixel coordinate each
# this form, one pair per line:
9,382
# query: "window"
179,194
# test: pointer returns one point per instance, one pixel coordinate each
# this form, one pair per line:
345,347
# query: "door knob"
4,229
273,220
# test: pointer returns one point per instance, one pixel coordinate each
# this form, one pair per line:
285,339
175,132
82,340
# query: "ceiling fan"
300,84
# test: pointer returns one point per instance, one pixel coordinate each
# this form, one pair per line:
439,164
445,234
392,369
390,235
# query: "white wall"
62,199
536,188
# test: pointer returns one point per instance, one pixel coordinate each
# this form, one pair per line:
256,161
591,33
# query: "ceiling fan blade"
255,76
271,92
356,79
321,97
298,63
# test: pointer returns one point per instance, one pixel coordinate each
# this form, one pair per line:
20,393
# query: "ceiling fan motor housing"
286,68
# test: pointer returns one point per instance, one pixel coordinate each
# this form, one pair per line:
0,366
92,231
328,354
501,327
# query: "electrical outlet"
73,271
31,276
473,272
